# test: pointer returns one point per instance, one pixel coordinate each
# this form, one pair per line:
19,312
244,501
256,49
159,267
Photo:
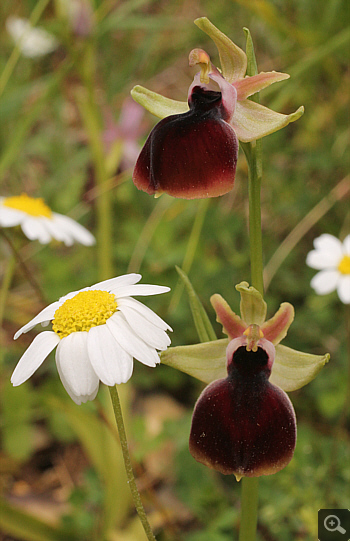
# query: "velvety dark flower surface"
244,425
190,155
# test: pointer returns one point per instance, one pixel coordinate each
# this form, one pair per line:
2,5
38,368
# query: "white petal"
139,289
57,232
73,363
44,316
152,335
10,217
346,245
320,260
77,399
330,246
109,360
119,281
34,356
145,312
34,229
325,281
344,289
129,341
75,230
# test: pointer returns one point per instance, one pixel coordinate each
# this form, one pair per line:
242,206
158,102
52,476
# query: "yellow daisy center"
344,265
29,205
87,309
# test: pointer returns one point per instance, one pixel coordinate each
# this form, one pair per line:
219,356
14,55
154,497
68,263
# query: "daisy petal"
317,259
325,281
156,104
252,121
57,232
145,312
111,362
141,289
119,281
34,229
344,289
74,364
346,245
77,399
10,217
250,85
330,247
233,59
152,335
34,356
129,341
74,230
47,314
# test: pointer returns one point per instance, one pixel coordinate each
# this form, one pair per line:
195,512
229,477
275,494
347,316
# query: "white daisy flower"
98,331
38,222
32,42
332,258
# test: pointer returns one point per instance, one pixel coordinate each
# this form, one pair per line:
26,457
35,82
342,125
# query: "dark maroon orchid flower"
243,424
192,154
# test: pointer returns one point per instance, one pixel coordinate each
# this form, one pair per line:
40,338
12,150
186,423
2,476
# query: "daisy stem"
127,462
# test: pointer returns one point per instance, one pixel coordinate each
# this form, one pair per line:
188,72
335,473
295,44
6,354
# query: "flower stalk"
250,485
127,461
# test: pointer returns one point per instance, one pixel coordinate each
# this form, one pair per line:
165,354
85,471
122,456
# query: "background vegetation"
62,474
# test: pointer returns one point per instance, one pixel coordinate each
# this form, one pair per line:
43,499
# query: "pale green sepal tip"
253,307
156,104
233,59
293,369
206,362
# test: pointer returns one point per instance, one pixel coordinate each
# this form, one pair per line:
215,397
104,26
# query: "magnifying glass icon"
332,524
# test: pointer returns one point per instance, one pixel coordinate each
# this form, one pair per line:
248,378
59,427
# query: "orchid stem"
253,153
127,462
249,506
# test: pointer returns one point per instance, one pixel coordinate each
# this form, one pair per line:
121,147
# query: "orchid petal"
206,361
293,369
233,59
276,328
253,307
232,324
252,121
157,104
250,85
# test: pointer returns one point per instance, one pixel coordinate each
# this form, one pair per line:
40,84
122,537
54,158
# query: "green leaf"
201,320
19,524
206,362
102,446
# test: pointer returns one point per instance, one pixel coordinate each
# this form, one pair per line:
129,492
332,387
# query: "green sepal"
206,361
233,59
253,307
293,369
157,104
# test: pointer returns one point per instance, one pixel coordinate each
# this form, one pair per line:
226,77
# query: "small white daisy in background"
98,331
332,258
38,222
32,42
